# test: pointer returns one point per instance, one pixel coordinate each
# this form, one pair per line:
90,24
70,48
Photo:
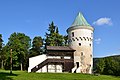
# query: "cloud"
103,21
98,40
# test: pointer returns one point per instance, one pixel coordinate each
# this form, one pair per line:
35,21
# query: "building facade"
80,36
57,59
77,57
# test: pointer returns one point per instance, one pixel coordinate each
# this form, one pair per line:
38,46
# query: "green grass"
23,75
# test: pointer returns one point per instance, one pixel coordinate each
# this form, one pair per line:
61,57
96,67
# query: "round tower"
80,36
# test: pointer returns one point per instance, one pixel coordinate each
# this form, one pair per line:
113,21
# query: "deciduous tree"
20,44
100,66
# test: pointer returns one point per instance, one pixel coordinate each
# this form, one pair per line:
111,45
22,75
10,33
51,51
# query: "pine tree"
53,38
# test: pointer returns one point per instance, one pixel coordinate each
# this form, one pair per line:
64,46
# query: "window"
79,44
77,39
81,38
90,55
81,53
84,38
90,44
72,34
73,39
88,38
91,34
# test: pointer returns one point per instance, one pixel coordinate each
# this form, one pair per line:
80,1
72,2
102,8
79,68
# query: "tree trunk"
21,67
2,65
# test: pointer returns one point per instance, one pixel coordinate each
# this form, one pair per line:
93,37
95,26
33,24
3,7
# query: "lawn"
23,75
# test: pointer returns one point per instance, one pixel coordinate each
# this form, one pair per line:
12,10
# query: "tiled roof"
66,48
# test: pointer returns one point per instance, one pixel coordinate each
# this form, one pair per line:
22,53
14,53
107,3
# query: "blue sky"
33,16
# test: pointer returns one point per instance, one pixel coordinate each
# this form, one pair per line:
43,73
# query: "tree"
100,66
53,38
20,44
37,45
65,40
1,42
2,56
111,66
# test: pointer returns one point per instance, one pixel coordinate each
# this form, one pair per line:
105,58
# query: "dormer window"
72,34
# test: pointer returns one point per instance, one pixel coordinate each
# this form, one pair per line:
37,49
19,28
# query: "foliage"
100,66
37,45
1,42
108,65
53,38
2,55
65,40
20,44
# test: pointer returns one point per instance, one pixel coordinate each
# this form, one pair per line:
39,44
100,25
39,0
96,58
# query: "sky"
32,17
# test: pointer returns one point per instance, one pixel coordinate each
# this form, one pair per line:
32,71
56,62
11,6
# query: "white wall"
83,32
43,69
51,68
33,61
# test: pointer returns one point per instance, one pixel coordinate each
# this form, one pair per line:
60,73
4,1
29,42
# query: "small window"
91,34
84,38
77,39
91,55
79,44
62,57
81,38
81,53
88,38
90,44
73,39
72,34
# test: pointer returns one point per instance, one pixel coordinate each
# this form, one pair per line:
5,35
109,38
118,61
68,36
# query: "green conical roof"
80,21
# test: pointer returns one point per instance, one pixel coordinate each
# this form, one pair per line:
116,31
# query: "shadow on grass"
6,76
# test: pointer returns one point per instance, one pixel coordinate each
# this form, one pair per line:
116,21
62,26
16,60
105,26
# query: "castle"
77,57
